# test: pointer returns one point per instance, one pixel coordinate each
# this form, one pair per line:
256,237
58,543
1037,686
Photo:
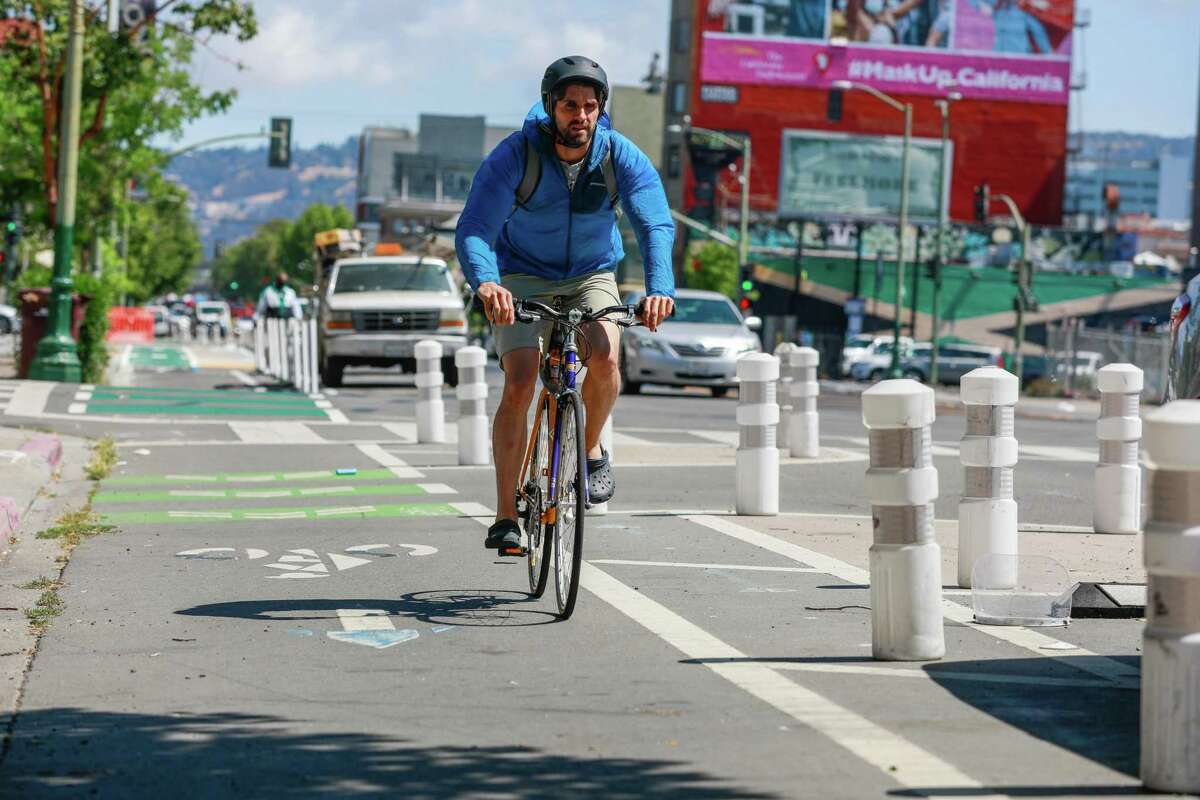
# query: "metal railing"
286,349
1074,354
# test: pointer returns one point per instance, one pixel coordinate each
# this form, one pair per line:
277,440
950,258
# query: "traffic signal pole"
894,370
57,356
744,216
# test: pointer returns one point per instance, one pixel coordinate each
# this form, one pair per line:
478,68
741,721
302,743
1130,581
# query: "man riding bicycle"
550,234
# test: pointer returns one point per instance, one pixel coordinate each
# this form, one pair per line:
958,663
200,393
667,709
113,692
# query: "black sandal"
503,535
601,484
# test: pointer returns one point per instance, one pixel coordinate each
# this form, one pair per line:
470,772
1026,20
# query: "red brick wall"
1018,148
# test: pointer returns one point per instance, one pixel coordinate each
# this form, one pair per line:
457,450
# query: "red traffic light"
744,304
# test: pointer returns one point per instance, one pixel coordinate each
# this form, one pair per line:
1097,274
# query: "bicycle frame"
568,356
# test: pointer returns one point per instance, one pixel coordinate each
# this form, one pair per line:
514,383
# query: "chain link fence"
1074,353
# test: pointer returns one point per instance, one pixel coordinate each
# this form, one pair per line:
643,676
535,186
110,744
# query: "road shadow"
1097,722
72,752
461,607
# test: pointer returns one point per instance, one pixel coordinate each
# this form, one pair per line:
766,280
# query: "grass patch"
75,526
40,583
47,607
104,459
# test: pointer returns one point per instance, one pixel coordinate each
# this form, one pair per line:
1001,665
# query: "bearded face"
576,113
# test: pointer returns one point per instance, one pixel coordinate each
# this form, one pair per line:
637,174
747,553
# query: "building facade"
1136,180
772,71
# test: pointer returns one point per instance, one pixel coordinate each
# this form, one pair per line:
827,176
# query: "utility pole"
1024,300
57,356
939,252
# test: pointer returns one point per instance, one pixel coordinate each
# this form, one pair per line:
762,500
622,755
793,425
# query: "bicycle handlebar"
532,310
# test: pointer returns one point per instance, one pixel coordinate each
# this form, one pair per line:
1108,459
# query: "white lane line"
191,357
720,437
1025,638
690,565
437,488
275,432
949,675
322,403
894,756
29,400
397,465
77,408
620,439
335,416
200,514
243,377
402,430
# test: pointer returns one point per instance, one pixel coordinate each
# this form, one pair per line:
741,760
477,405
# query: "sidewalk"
1052,408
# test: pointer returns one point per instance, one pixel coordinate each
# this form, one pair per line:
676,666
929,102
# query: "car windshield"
708,312
383,276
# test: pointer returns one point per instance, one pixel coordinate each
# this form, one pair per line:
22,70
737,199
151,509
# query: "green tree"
251,262
164,246
713,266
137,87
296,243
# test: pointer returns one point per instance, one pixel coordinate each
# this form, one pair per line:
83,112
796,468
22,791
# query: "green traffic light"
747,285
233,285
10,226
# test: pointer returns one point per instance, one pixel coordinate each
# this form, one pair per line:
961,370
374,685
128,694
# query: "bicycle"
552,483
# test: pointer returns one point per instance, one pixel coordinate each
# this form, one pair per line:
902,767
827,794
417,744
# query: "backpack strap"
610,180
531,178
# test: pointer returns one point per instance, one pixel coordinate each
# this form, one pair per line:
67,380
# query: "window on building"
678,97
681,35
456,182
674,162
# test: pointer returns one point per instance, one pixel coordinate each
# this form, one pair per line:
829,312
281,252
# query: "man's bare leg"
603,382
510,427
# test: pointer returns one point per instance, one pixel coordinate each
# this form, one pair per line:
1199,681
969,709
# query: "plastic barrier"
128,325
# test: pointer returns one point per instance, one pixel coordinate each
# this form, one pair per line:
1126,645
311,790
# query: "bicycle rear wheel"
537,496
570,501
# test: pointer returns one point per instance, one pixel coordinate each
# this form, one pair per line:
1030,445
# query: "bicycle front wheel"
537,498
570,501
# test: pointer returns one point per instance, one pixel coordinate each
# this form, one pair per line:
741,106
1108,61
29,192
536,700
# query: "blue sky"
384,61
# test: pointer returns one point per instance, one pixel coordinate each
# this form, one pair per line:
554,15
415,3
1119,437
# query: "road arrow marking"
370,627
347,562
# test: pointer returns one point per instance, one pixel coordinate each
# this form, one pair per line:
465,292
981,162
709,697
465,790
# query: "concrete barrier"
1118,498
757,464
905,560
431,412
987,512
1170,732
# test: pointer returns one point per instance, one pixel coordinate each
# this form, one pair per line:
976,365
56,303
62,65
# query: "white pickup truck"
375,309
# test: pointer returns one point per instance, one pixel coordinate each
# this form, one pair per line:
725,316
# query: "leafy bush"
101,292
714,267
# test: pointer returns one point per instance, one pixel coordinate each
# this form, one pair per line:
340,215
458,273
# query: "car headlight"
639,343
339,321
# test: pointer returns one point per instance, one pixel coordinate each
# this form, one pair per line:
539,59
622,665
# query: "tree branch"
97,120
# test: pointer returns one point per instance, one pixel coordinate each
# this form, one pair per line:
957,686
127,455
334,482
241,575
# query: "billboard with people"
1018,50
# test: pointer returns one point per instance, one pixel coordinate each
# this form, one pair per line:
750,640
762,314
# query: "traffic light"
744,304
983,201
279,151
745,279
833,109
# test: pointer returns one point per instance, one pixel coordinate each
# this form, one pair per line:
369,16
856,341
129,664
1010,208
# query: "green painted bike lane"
168,495
201,402
326,513
145,356
250,477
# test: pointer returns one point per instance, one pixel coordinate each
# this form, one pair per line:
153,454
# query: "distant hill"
233,190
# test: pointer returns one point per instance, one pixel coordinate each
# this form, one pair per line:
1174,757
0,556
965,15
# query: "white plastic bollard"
905,560
431,412
1171,638
294,327
783,393
260,347
273,347
757,454
804,429
1118,506
314,372
987,512
472,392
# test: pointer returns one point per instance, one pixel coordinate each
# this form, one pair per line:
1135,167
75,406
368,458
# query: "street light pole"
744,215
939,253
894,370
57,356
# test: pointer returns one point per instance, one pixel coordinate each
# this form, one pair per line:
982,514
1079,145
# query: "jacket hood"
537,129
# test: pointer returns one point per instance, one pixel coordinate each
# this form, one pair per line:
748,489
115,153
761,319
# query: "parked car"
876,359
1183,368
376,308
954,361
698,346
10,319
215,316
865,347
162,320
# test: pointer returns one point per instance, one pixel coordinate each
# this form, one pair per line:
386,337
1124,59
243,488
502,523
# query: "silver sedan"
698,346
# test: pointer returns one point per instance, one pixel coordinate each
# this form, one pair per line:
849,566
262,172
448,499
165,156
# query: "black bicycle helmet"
573,68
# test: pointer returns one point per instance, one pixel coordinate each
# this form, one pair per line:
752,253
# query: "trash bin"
35,316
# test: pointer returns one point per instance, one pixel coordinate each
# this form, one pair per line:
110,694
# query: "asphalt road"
261,627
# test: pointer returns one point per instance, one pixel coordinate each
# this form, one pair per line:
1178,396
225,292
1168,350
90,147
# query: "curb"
27,469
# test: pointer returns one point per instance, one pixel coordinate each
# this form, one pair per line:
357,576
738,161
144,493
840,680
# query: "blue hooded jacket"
562,234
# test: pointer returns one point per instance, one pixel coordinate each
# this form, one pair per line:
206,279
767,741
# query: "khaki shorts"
596,290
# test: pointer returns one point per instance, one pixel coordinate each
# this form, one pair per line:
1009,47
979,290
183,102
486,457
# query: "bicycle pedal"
511,551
